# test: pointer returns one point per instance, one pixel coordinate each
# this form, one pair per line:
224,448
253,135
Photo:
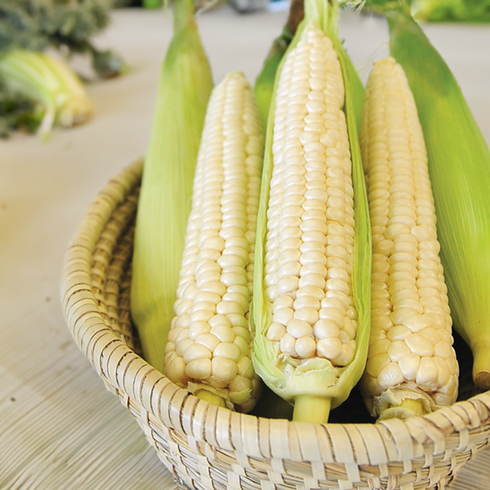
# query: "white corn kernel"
212,343
409,300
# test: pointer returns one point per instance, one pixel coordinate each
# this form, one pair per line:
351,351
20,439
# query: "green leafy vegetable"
37,25
36,90
18,113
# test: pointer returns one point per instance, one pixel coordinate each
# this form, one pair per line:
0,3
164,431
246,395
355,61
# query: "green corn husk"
318,385
264,84
459,167
42,79
166,191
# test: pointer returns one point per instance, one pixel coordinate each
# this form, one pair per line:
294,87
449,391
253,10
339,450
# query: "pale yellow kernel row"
310,229
209,340
411,342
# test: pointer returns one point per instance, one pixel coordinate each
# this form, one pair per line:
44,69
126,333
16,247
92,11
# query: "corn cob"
309,258
208,349
459,166
164,204
411,366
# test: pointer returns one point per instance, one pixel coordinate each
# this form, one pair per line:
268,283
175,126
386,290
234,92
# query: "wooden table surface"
59,427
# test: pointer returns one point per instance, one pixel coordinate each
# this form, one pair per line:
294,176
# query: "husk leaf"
168,174
459,167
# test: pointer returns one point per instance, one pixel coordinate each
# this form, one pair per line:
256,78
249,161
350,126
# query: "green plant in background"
452,10
38,91
152,4
18,113
37,25
477,11
51,86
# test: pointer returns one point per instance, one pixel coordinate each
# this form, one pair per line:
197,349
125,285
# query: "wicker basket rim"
457,427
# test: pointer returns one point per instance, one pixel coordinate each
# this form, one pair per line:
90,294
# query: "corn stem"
313,409
481,365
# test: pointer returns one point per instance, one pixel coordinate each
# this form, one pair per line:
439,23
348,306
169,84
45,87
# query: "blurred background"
59,427
51,50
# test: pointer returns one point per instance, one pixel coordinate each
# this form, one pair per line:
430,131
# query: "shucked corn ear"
311,293
411,365
208,349
459,166
166,190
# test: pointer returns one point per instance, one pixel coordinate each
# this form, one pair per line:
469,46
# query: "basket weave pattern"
212,448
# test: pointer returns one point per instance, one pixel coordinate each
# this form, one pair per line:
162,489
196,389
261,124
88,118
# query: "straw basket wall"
213,448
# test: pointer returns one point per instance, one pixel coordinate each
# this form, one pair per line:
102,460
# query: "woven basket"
213,448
